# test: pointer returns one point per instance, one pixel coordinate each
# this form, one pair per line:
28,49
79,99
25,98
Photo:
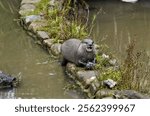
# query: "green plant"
59,26
110,74
134,71
101,61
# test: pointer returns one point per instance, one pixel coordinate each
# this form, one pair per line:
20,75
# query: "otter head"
88,45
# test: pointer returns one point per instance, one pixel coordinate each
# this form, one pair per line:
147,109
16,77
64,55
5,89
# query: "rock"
35,26
83,74
129,94
86,76
93,89
26,8
105,56
113,62
104,93
109,83
31,18
71,69
48,42
56,49
58,3
29,1
42,35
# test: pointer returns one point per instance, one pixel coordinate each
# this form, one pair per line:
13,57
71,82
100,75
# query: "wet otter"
7,80
81,53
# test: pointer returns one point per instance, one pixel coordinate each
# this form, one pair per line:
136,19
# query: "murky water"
118,23
42,77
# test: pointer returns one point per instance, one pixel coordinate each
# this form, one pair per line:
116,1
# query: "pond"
118,23
42,76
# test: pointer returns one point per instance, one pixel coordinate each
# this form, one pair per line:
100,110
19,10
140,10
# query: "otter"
7,80
81,53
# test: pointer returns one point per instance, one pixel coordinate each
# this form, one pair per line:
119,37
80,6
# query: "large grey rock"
29,1
26,8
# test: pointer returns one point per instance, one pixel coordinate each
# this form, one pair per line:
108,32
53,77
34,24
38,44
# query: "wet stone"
42,35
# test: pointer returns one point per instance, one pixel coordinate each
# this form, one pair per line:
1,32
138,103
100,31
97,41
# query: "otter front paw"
90,65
